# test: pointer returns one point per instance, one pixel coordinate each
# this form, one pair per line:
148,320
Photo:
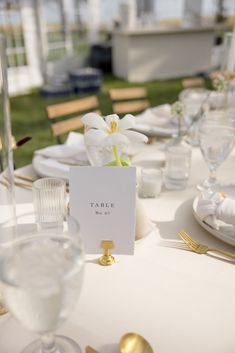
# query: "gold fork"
201,248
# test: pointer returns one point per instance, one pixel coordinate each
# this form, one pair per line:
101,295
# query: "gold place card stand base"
107,259
3,309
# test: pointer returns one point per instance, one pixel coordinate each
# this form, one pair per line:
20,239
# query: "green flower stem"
226,98
179,125
116,155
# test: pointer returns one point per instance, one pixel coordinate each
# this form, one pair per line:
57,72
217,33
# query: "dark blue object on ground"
50,91
101,56
86,80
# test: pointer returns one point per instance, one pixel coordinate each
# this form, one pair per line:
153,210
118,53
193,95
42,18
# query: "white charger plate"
226,232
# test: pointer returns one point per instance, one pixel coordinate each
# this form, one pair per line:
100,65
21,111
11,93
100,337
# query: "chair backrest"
129,100
193,82
66,111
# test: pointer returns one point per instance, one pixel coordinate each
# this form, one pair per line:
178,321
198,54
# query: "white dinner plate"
226,231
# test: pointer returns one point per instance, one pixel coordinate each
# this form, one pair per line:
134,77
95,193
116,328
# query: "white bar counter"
162,52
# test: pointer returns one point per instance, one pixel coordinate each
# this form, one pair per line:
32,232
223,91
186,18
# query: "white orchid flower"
111,130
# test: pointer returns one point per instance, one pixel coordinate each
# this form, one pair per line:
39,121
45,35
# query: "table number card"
102,199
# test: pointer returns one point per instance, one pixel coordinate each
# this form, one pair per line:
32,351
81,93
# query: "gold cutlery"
68,163
17,183
89,349
201,248
4,183
27,185
134,343
25,178
23,185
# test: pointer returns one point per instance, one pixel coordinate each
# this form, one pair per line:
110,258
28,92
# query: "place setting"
214,207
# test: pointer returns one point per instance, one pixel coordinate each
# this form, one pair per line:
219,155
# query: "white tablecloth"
179,301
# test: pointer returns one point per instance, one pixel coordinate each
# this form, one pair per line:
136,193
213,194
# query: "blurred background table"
151,53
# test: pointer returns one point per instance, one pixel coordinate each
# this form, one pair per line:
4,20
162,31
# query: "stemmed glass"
216,138
42,272
194,101
7,192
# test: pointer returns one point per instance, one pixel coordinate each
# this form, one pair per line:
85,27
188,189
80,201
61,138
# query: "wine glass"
194,100
7,193
42,272
216,139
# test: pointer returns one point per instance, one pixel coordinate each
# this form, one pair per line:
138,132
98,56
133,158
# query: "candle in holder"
151,182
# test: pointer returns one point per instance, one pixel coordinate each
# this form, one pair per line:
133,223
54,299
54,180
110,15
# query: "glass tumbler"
49,198
177,167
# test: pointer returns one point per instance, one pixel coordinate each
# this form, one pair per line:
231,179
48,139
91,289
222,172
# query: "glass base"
207,185
63,345
175,184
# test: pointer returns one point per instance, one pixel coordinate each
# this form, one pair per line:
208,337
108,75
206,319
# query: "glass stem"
226,98
212,176
179,125
116,155
48,343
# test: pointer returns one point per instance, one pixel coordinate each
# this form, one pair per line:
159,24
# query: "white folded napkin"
73,151
215,207
157,121
157,116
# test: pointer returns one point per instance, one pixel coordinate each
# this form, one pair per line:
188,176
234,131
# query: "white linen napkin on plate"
215,207
73,151
157,116
157,121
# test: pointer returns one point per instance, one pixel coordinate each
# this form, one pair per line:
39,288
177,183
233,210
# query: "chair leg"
59,140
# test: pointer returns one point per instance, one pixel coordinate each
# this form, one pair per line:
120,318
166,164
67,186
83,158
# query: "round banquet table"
179,301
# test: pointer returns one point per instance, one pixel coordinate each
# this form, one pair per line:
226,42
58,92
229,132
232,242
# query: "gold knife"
23,185
89,349
25,178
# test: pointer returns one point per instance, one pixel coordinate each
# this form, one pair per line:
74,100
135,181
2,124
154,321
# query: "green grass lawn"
29,117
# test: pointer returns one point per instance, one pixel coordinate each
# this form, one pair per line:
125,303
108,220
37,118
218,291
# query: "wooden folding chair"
66,111
192,82
129,100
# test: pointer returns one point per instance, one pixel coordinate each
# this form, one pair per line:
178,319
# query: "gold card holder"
3,309
107,259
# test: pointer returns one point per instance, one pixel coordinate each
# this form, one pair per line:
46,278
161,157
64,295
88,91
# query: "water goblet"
216,139
194,101
42,274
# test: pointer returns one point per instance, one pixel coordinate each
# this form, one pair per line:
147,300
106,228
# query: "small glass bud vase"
99,156
178,163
